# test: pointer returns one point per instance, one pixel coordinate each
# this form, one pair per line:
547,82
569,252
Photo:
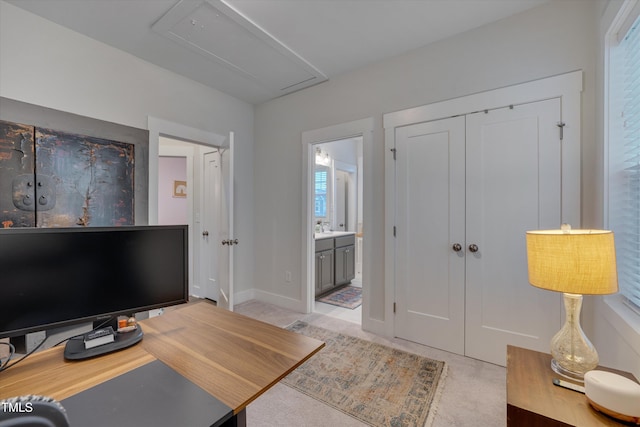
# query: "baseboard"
244,296
268,297
376,326
279,300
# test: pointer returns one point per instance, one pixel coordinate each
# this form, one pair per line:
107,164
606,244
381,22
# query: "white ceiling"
257,50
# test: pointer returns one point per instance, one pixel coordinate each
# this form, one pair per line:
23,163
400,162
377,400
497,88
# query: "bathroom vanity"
335,260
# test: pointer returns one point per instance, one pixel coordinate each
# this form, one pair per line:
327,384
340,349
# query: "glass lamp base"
575,376
572,352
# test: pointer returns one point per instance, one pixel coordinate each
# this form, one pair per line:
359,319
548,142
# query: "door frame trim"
160,127
567,87
364,128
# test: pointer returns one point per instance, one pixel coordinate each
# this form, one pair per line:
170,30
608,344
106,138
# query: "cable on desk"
4,365
12,351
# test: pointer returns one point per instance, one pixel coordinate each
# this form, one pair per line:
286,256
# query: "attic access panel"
218,32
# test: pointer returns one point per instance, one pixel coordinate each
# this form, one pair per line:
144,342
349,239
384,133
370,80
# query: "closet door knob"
473,248
457,247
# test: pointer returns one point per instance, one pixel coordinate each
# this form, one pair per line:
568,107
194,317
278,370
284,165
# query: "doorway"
175,193
190,195
337,175
209,215
348,214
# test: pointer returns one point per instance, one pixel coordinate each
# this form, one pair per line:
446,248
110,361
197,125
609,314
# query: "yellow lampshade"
572,261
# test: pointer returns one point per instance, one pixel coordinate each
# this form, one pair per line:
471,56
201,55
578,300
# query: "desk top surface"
231,356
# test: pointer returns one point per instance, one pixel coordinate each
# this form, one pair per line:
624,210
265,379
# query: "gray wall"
44,64
552,39
35,115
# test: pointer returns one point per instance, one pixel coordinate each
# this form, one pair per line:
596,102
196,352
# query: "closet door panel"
513,185
430,219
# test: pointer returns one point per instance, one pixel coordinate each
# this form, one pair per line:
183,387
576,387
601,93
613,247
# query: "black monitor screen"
58,276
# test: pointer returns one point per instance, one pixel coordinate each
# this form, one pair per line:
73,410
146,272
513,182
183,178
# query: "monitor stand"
75,349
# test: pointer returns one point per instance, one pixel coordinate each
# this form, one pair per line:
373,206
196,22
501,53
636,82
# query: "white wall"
45,64
549,40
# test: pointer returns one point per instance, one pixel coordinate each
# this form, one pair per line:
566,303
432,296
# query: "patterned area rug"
375,384
348,297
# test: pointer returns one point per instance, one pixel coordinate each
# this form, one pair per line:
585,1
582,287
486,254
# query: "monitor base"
75,349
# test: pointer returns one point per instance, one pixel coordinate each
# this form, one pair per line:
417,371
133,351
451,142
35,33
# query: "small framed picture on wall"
179,188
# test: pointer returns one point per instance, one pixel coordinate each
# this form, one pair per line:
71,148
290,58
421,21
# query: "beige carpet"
375,384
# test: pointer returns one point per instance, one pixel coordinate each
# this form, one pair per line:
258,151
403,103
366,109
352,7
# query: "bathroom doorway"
337,176
334,211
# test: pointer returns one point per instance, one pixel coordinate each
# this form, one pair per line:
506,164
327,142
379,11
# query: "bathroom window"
321,177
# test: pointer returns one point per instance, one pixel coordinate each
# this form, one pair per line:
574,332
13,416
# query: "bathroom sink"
330,234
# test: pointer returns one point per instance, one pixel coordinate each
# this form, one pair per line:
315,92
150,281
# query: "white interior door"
210,245
513,185
430,209
226,237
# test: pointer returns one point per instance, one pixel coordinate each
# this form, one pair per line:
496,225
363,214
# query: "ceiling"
257,50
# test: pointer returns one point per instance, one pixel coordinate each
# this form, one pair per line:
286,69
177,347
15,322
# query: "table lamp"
575,262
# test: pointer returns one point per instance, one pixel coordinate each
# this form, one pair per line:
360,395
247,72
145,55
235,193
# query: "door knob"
205,233
457,247
473,248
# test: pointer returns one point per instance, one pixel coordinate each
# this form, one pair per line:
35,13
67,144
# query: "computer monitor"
54,277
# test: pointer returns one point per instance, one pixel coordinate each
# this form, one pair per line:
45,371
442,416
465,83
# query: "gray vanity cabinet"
345,261
324,266
335,262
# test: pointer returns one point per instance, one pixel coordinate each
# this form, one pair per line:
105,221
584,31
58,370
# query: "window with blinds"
624,156
321,193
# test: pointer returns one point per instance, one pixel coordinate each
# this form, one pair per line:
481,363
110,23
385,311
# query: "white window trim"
623,319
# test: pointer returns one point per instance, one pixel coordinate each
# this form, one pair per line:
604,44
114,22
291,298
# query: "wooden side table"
533,400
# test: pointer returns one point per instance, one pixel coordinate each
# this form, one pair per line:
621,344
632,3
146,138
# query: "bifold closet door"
430,219
513,184
467,190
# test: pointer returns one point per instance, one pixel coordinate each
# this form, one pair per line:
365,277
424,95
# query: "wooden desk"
533,400
231,356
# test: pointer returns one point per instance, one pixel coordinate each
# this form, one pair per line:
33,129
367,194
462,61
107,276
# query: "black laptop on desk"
151,395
